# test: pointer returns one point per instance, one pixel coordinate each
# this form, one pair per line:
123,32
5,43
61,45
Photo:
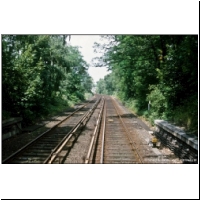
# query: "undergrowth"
34,114
185,115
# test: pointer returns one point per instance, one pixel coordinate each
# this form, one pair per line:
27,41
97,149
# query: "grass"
185,116
54,107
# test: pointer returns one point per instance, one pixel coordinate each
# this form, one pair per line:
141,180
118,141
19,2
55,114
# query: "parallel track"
62,150
45,146
94,133
115,144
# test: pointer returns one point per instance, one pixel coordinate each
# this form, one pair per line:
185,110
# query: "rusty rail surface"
45,145
127,132
115,145
64,141
94,133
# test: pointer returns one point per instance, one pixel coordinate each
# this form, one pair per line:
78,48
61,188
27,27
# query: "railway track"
78,149
45,148
99,132
114,143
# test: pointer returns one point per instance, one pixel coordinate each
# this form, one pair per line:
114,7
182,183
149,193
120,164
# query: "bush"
5,115
187,115
88,95
158,102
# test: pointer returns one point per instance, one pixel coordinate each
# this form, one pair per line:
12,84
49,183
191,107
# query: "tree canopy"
158,69
38,71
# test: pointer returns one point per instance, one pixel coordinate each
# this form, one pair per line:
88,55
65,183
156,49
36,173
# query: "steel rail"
94,133
64,141
12,156
103,136
127,131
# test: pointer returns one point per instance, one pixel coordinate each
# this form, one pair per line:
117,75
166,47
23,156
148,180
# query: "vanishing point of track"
41,149
115,144
94,133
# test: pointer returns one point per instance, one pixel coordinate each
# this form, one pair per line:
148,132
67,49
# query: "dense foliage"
40,74
158,69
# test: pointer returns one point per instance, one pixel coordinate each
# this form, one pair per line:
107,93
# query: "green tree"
38,71
161,69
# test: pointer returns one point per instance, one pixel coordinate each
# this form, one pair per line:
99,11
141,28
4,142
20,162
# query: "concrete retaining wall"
185,146
11,127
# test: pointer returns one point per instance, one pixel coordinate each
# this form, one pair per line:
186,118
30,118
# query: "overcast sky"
86,42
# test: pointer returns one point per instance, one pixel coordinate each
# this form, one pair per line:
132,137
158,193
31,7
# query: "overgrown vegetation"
161,70
41,75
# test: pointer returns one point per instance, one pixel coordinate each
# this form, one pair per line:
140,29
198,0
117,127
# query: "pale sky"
86,42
